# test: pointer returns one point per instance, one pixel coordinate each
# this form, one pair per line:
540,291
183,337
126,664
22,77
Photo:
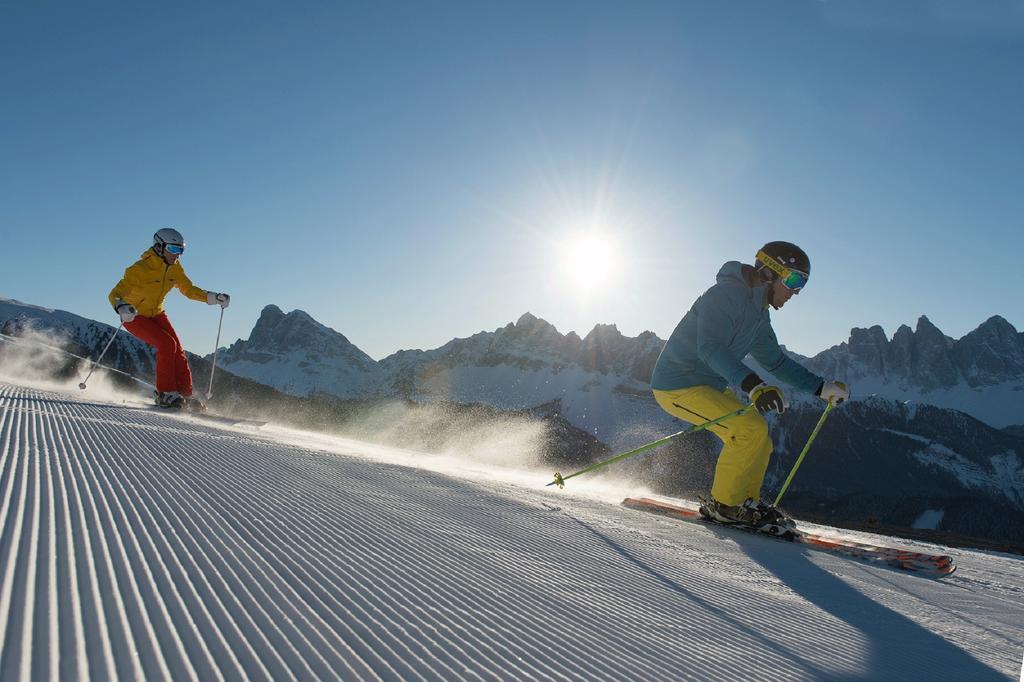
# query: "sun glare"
590,259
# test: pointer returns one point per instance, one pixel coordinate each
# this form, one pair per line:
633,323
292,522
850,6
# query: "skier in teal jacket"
704,356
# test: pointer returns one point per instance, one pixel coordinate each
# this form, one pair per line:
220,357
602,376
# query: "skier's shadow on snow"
896,647
754,631
895,644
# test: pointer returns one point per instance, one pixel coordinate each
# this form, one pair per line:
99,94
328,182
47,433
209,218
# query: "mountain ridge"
980,373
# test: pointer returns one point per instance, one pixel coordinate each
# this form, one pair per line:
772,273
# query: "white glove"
127,312
834,392
213,298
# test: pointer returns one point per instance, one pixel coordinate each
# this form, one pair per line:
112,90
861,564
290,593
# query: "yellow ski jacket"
146,282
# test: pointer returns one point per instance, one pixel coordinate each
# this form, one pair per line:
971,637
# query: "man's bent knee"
749,427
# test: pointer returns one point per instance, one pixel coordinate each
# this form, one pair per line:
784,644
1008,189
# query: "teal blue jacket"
726,323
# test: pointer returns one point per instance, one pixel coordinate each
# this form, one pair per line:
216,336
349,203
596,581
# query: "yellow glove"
767,398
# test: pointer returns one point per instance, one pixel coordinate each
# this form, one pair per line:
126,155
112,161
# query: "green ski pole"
560,480
803,453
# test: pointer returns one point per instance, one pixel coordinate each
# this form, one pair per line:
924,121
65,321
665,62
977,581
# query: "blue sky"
412,172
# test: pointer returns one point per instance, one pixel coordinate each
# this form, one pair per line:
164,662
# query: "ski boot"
752,515
774,521
170,399
193,404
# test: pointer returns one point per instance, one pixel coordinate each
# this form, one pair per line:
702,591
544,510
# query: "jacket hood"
733,273
155,261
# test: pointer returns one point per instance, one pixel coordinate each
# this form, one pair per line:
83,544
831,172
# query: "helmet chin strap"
762,276
768,278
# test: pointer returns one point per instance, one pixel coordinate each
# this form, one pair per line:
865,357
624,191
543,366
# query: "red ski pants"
172,370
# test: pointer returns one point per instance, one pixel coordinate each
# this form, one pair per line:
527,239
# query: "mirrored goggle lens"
175,248
795,280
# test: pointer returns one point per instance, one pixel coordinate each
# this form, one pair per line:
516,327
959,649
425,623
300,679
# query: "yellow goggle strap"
781,270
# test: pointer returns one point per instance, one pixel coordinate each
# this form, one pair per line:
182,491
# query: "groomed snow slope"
137,544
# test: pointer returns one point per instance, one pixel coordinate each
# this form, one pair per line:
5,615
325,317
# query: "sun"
590,259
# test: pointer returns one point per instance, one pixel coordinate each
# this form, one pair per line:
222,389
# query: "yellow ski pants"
747,445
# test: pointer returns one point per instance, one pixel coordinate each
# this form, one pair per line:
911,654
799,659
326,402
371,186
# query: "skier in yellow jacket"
139,300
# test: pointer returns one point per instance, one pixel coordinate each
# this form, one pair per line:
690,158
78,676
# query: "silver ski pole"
209,392
105,348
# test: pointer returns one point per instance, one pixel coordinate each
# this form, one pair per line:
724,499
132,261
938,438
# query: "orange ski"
932,565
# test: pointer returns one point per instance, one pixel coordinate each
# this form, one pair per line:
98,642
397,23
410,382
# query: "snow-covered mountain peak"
275,330
528,326
981,373
603,332
869,346
527,319
20,304
998,321
991,352
873,336
904,336
927,333
295,353
996,329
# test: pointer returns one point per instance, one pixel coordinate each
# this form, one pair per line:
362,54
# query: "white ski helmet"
167,236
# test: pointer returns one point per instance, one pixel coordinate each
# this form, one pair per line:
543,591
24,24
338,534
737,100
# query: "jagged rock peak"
998,323
995,330
531,325
278,330
926,328
271,315
868,341
874,333
526,319
992,353
274,316
603,332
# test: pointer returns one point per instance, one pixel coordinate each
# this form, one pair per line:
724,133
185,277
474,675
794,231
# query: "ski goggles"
792,279
176,249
